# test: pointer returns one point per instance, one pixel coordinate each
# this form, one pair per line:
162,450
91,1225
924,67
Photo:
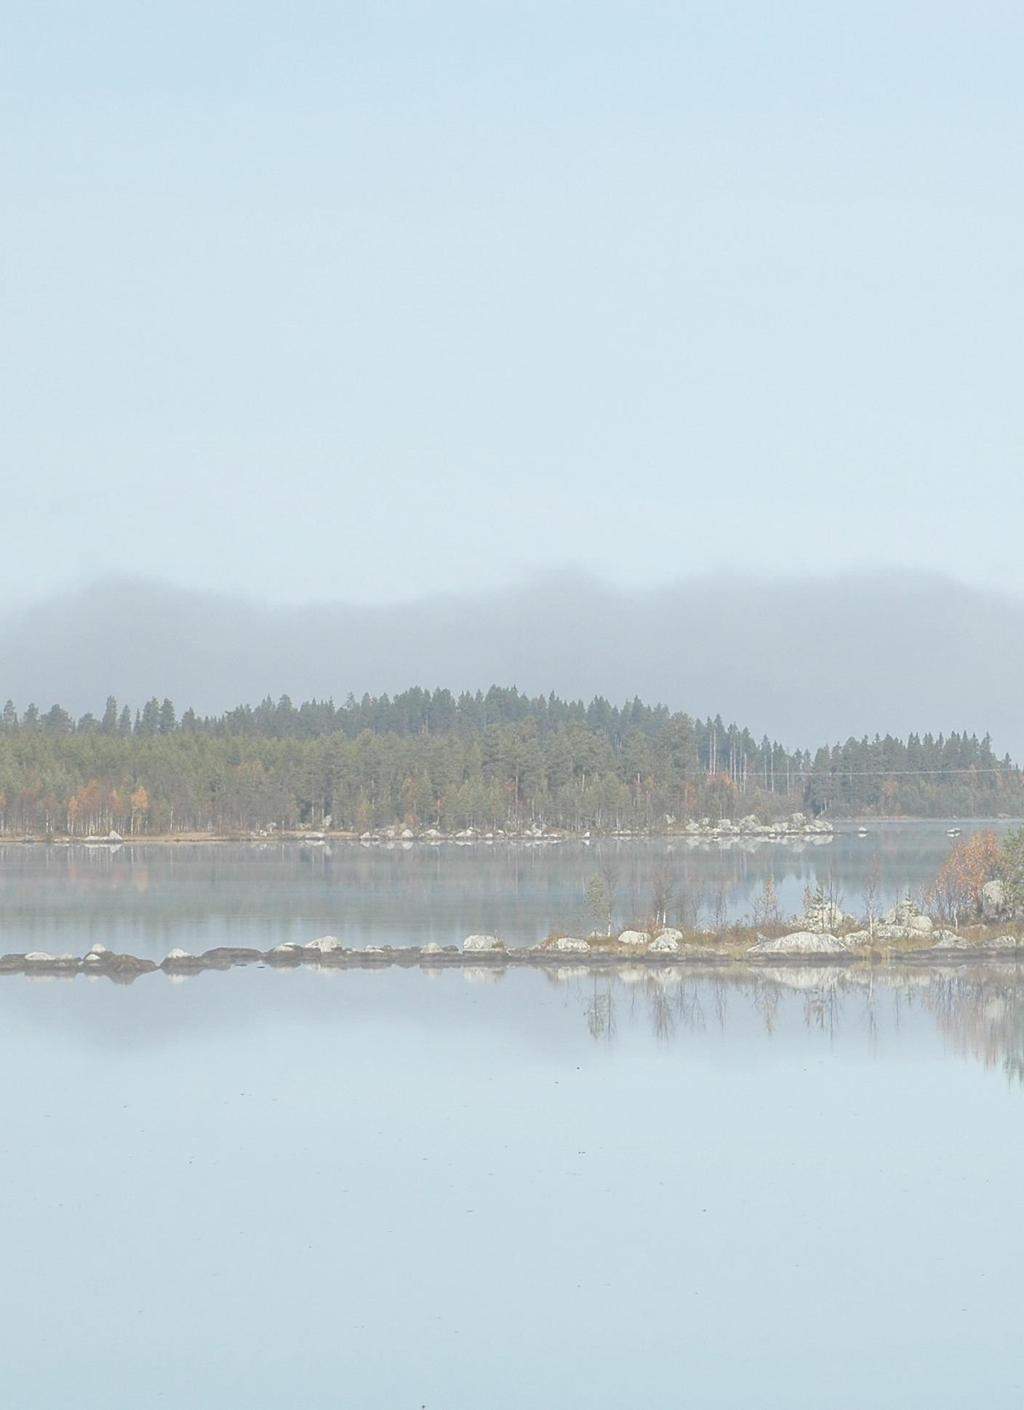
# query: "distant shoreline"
816,831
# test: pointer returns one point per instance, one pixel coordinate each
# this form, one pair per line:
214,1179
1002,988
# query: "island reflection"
978,1010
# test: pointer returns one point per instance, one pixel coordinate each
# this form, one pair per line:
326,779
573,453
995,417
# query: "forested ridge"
492,760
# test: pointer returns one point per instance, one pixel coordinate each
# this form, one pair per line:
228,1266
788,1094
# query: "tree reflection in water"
977,1009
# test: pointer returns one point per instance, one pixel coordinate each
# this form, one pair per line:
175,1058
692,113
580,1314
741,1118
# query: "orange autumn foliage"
957,889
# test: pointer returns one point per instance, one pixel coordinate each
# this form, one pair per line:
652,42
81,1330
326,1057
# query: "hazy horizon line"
568,575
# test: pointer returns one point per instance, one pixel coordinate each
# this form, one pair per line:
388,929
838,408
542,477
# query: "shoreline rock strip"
486,953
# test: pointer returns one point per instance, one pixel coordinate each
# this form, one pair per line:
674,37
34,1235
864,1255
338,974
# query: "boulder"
1002,942
801,942
566,945
665,943
324,944
178,961
993,900
903,933
284,954
634,937
224,956
904,922
482,944
39,959
125,968
949,940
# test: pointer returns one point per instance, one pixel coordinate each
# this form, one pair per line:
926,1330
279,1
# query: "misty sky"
368,300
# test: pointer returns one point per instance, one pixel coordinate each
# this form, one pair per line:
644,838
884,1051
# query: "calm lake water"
389,1191
151,899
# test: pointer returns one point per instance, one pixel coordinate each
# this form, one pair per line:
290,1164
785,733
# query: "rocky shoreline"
797,827
631,950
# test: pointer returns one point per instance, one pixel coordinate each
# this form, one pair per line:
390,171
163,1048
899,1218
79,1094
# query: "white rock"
566,945
671,932
801,942
325,944
98,950
475,944
38,957
665,944
177,954
993,900
431,948
949,940
634,937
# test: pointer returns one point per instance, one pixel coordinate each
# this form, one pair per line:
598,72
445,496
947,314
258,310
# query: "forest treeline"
494,759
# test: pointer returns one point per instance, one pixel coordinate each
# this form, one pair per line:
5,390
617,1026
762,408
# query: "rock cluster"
797,825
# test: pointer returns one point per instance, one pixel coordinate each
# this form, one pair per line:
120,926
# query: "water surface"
795,1188
150,899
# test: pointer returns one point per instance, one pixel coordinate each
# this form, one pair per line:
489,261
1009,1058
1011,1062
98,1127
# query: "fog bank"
804,660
